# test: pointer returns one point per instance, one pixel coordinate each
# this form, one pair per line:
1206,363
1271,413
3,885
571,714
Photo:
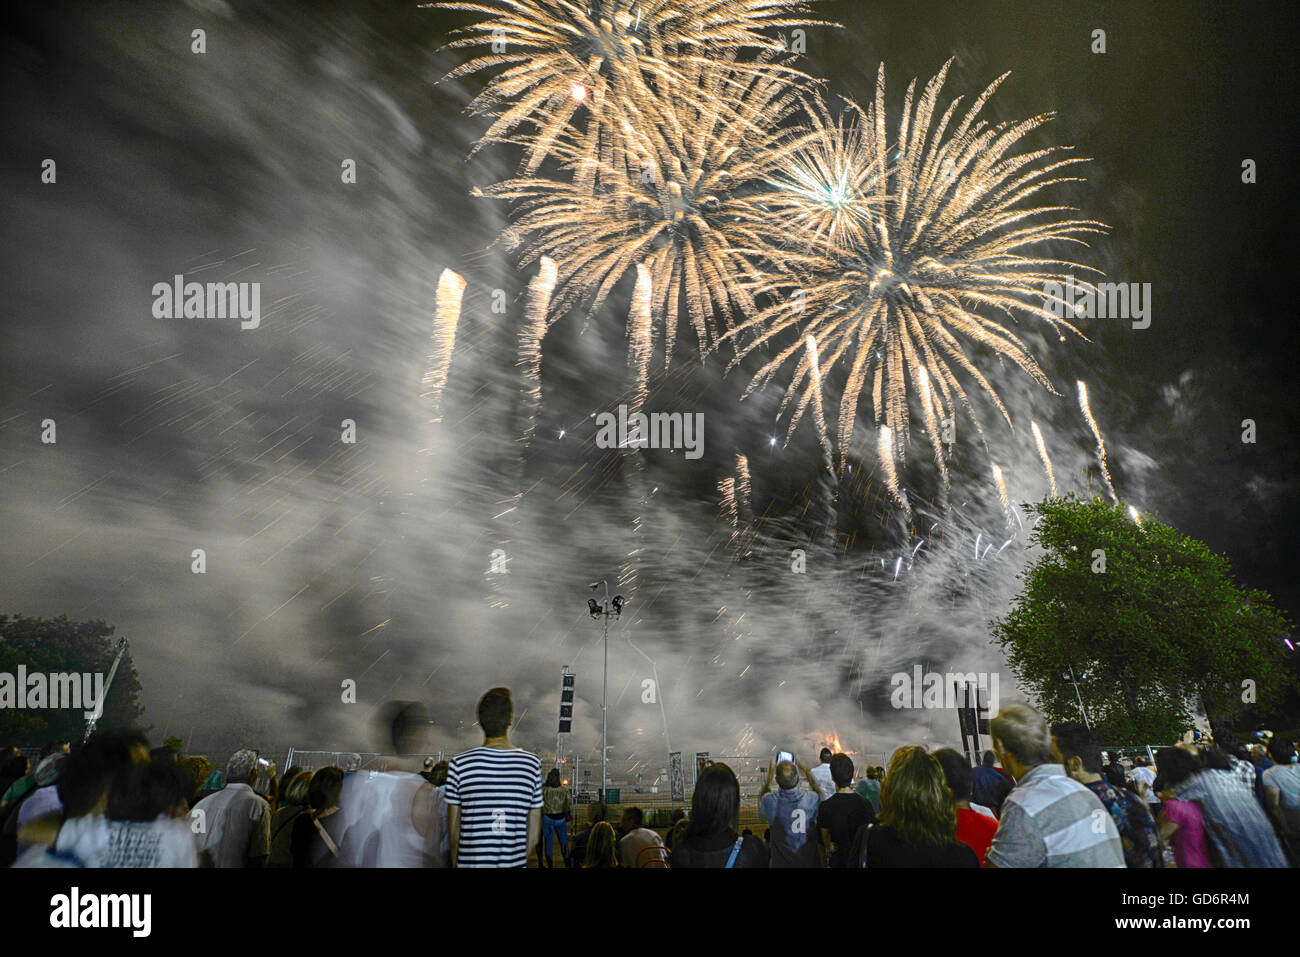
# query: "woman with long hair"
918,820
602,847
557,809
709,838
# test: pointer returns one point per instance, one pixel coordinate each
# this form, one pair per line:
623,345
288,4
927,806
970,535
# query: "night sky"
329,561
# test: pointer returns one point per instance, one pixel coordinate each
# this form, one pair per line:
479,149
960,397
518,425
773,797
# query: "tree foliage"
1153,618
57,646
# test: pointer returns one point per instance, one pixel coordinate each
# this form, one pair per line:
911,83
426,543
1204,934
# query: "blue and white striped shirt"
495,790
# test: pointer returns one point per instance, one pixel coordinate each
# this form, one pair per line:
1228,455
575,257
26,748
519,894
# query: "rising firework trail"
1042,454
640,348
1101,446
640,328
442,343
885,450
743,490
727,489
530,348
828,480
1001,484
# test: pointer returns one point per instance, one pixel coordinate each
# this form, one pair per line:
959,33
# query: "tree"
1153,617
60,646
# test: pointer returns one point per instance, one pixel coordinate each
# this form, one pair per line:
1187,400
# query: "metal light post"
1072,679
604,611
92,717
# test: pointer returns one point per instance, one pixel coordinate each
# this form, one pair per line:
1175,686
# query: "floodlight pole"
92,717
1075,681
604,705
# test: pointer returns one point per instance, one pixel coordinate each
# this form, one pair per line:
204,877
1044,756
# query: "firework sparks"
530,344
1042,454
885,449
552,57
1000,482
727,488
442,343
816,394
1101,446
681,200
950,252
742,485
640,337
825,192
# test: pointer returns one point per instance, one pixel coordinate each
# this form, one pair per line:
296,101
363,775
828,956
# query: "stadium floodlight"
603,611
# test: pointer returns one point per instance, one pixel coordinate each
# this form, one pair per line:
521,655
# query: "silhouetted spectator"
990,785
709,838
843,813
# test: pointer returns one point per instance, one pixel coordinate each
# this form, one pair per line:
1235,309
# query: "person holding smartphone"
792,814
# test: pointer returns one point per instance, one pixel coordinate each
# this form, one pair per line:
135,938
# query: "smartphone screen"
784,756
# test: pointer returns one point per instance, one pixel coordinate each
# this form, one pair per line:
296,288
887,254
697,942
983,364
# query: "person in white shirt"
1145,778
112,773
146,820
394,817
632,845
233,826
821,775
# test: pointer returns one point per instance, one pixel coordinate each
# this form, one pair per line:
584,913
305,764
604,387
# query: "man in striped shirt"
494,793
1048,819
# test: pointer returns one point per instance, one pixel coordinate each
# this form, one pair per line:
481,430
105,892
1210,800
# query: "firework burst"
945,247
552,58
683,199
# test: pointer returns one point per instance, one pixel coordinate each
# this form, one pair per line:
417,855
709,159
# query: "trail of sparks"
885,449
727,488
442,343
530,345
640,336
1101,446
816,391
1002,496
743,491
1042,454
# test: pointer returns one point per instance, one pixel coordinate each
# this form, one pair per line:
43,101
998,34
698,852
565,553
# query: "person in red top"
975,830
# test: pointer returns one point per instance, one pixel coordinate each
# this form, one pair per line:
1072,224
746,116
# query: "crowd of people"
1044,796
